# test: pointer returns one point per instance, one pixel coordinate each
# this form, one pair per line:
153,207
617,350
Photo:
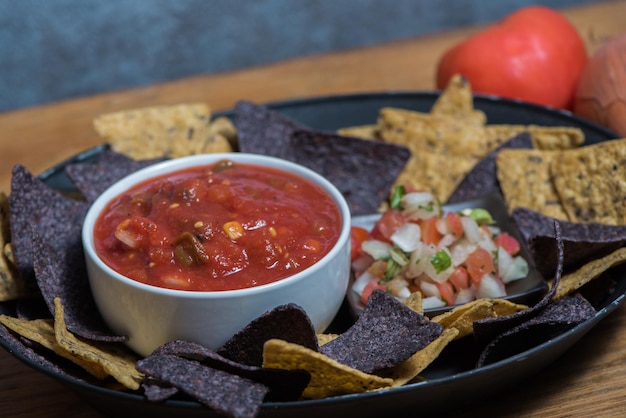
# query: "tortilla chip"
161,131
286,322
41,331
482,179
384,335
226,128
362,131
438,173
11,285
575,280
525,181
328,377
462,317
55,217
225,393
346,161
115,360
414,301
262,130
92,179
325,338
591,182
543,137
551,321
283,385
457,100
442,134
409,369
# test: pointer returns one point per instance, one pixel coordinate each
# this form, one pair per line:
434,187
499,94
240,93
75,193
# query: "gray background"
57,49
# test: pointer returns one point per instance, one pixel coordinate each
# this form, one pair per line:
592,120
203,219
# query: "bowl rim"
182,163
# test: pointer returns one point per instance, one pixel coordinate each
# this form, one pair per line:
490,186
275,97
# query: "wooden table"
588,380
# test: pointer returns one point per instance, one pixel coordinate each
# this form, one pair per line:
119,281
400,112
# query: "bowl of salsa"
195,248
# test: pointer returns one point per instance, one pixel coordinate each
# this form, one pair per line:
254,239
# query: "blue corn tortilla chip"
283,385
485,330
223,392
581,241
363,170
384,335
286,322
261,130
553,320
64,275
482,179
46,238
91,179
55,217
156,391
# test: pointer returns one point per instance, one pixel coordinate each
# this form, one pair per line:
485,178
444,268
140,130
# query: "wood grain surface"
588,380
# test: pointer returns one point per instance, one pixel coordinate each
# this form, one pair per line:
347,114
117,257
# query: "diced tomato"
454,222
369,288
509,243
357,236
387,225
459,278
430,234
479,263
447,292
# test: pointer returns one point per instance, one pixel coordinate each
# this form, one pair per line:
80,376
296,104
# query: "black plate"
451,380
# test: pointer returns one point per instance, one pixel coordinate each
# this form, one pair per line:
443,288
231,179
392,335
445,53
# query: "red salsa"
221,227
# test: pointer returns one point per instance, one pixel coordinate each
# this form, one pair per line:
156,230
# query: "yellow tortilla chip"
364,131
162,131
328,377
573,281
457,100
11,285
409,369
543,137
115,359
224,126
525,181
434,172
325,338
591,182
414,301
41,331
462,317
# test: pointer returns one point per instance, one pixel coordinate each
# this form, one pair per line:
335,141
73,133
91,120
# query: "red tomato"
387,225
459,278
454,222
357,236
507,242
430,234
369,288
534,54
479,263
447,292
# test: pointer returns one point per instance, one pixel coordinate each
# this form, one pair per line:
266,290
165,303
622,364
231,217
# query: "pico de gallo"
450,257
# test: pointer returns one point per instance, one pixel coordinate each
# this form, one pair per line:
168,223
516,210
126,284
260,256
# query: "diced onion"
433,302
407,237
471,229
490,287
518,270
359,284
377,249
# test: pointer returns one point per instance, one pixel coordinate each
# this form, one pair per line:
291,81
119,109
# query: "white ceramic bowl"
152,315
